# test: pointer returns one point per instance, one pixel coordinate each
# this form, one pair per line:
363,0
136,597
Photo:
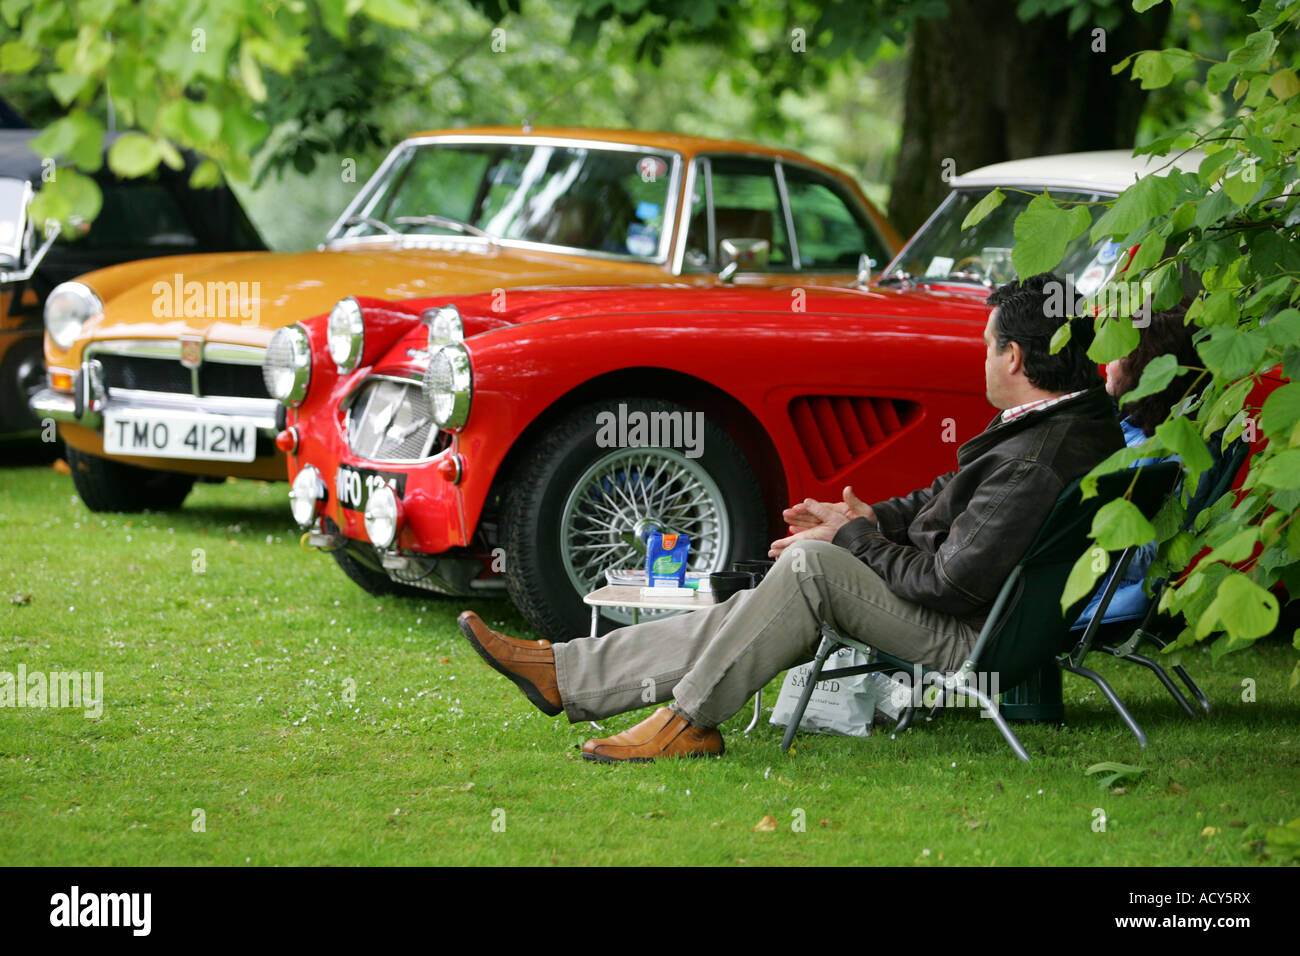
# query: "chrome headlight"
448,386
67,308
445,326
383,516
287,366
347,334
307,490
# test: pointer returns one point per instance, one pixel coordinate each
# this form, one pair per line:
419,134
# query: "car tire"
568,493
21,375
106,485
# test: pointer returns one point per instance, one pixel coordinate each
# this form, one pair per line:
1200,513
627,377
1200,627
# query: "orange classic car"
155,373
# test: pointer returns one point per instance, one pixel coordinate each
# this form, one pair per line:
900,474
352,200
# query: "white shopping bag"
839,705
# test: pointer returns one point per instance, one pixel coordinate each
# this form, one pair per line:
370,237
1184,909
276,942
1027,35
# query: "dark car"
159,215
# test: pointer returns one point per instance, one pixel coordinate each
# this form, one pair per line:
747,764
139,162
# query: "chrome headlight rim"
383,517
305,495
449,407
63,330
294,338
346,333
446,327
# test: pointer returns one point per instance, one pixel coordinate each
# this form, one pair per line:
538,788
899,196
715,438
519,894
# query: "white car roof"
1109,170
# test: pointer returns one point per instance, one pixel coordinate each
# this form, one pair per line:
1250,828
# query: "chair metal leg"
823,652
905,719
967,690
1185,677
1164,679
758,710
1110,696
1194,688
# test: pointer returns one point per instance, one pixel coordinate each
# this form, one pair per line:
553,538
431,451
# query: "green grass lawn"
225,703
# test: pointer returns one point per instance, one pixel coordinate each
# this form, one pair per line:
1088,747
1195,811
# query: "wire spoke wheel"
630,491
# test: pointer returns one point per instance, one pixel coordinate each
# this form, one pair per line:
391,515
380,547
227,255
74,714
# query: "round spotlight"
445,326
347,334
306,492
383,516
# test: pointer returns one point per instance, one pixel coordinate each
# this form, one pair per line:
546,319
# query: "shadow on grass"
25,450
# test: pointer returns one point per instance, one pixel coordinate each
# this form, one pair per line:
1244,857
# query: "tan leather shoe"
662,734
530,664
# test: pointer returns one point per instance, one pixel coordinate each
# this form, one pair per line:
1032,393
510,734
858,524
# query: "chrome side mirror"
864,271
750,254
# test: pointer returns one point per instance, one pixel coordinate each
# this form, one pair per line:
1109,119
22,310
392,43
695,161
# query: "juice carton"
665,559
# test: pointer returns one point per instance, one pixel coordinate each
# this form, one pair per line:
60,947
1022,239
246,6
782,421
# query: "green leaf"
1116,461
1281,412
1092,564
1142,6
251,75
1284,328
1284,84
1147,199
71,195
77,137
1154,69
1114,771
983,208
1042,233
1241,608
1060,338
206,175
1241,189
1116,337
1229,351
1160,371
1282,470
134,154
1179,435
1237,548
396,13
17,57
1119,524
65,86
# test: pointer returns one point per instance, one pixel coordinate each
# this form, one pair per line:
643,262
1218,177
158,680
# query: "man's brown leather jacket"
951,546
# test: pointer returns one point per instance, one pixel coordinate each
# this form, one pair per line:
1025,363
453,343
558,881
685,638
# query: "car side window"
831,232
138,215
741,198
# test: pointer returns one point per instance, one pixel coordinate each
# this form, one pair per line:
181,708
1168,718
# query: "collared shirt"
1010,414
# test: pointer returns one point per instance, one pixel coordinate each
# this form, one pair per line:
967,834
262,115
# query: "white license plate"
179,436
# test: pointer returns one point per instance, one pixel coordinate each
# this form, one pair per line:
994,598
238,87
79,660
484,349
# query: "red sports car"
527,440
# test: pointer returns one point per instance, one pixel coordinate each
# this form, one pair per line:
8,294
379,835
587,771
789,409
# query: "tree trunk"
983,87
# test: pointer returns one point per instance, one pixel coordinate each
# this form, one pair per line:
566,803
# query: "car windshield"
981,255
577,197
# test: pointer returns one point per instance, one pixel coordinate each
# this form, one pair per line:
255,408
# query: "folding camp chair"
1025,628
1124,637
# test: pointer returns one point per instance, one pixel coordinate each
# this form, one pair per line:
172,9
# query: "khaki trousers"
713,660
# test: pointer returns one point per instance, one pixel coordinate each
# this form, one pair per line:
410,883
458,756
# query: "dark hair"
1028,315
1167,334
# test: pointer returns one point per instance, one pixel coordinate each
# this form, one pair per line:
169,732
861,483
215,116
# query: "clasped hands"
810,520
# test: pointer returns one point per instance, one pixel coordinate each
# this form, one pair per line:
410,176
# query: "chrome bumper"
62,407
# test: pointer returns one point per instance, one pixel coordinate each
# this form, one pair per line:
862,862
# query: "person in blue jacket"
1167,334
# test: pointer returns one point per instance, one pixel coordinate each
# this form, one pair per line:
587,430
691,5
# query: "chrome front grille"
218,369
388,420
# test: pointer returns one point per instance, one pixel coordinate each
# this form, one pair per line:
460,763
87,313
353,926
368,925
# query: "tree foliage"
214,76
1232,226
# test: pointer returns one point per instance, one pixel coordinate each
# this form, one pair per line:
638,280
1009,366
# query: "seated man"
913,576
